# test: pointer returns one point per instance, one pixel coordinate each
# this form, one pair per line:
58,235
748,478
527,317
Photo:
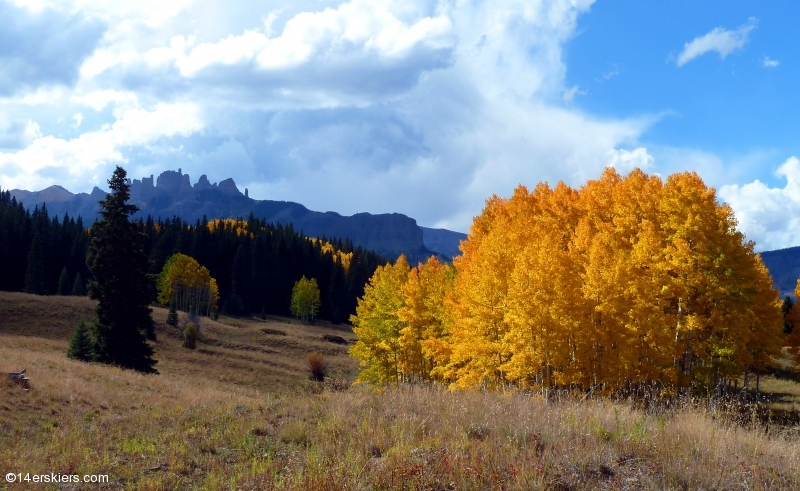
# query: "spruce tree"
119,266
259,281
172,316
77,286
34,274
337,293
80,344
786,310
240,283
63,282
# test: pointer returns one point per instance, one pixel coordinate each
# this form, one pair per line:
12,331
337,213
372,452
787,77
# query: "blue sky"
742,106
423,107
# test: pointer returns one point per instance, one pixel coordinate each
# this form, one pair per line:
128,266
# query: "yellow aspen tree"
713,281
621,245
423,337
477,338
542,290
305,299
377,325
685,206
765,339
650,356
184,281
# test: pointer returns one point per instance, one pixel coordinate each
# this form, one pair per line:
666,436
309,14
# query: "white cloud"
615,71
571,92
768,62
356,26
720,40
151,12
424,107
42,96
768,216
625,161
85,153
99,99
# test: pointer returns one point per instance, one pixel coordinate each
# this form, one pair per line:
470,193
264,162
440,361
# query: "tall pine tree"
119,265
77,286
63,282
239,301
34,275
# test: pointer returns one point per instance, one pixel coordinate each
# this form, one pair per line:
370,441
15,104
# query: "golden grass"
239,414
230,351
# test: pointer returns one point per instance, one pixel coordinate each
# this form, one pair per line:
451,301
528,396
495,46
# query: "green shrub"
190,336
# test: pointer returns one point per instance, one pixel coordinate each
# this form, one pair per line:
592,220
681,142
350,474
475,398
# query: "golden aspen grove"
189,285
629,282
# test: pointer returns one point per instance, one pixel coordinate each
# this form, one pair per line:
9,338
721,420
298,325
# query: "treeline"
35,249
628,282
254,263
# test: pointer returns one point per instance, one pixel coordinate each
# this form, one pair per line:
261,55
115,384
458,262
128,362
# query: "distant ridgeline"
172,195
784,266
257,260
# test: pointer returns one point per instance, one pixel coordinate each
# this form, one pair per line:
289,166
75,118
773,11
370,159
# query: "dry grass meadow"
239,413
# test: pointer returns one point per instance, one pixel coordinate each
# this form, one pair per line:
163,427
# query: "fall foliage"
629,281
189,285
305,299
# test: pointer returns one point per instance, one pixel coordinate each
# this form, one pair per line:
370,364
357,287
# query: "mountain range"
172,194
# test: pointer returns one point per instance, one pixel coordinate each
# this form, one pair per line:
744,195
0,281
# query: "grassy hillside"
238,413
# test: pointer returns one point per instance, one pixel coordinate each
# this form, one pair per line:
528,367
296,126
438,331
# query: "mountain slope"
443,241
784,266
172,194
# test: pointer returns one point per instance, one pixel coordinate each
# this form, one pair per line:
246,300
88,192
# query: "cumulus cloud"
423,107
768,62
42,48
356,28
82,155
769,216
625,161
720,40
15,135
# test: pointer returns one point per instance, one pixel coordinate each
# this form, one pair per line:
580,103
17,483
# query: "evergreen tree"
260,279
76,263
77,286
786,309
80,344
34,274
63,282
172,316
240,284
117,261
337,293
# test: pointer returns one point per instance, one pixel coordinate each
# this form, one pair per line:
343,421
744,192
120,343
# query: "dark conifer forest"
255,263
